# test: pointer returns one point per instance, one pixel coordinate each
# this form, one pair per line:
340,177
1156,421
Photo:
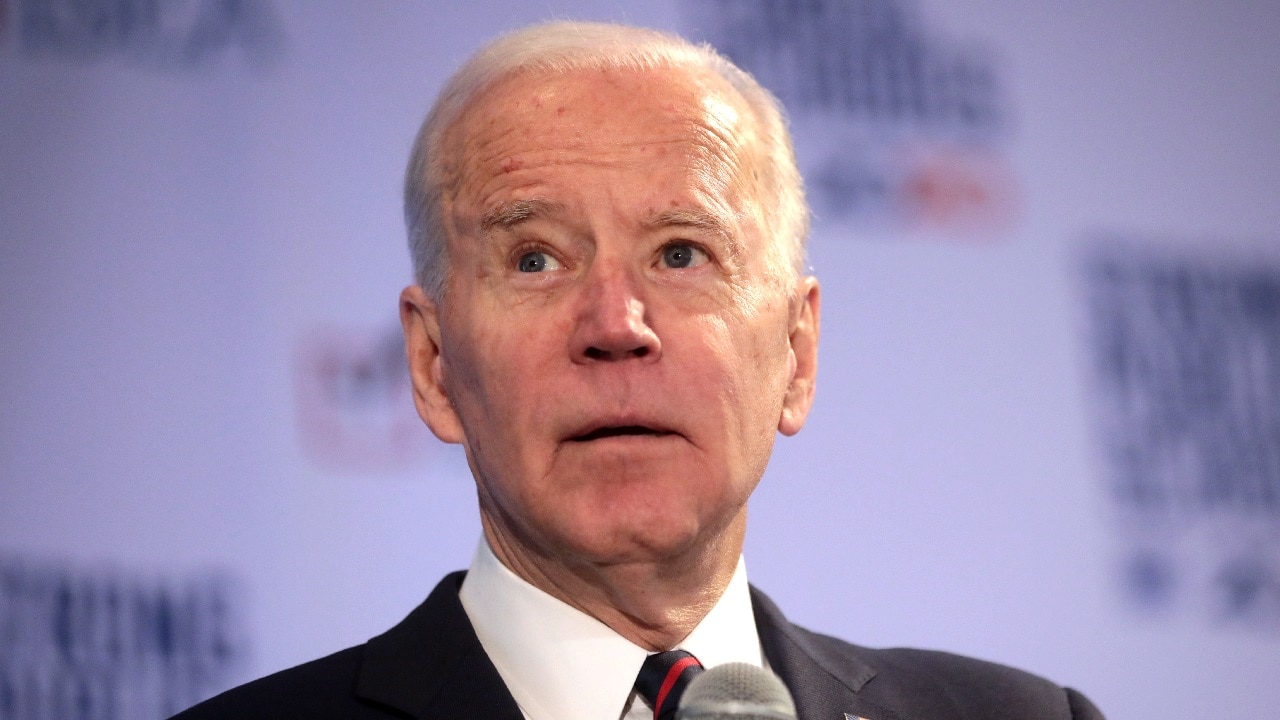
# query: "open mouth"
620,431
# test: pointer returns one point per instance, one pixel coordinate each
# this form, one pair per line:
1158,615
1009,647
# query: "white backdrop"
201,249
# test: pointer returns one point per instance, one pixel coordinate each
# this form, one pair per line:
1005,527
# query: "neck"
653,603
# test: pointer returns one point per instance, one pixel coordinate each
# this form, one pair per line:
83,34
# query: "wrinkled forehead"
586,106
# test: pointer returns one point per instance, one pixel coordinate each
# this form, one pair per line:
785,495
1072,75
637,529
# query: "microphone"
736,691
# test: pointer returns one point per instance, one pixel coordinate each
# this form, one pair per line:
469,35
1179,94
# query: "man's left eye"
537,261
683,255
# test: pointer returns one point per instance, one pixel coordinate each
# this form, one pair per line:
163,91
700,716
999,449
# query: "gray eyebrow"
691,218
700,220
512,213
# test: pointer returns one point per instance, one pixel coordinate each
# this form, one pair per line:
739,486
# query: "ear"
421,322
803,335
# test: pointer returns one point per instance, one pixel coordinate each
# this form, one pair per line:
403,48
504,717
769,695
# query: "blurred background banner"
1187,357
1047,430
105,643
900,127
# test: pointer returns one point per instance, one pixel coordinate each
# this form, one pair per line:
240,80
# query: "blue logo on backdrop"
102,644
1187,359
151,33
894,126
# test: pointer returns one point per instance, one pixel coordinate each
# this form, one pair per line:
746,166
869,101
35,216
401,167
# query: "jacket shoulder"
319,689
430,664
932,682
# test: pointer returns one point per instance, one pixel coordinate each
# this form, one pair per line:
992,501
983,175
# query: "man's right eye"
536,261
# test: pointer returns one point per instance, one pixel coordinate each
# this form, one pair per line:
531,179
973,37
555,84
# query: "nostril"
596,353
641,351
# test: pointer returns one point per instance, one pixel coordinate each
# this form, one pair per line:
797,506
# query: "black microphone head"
736,691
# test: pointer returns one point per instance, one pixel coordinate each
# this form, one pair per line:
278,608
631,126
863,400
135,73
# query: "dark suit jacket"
431,666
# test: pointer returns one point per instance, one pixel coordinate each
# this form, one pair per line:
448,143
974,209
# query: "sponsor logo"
355,404
896,127
1187,364
169,34
102,643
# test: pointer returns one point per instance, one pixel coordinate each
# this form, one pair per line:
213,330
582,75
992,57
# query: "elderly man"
611,317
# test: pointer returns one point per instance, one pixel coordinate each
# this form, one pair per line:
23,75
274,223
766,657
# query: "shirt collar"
562,664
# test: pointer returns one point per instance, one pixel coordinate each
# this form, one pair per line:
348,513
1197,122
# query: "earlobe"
421,322
803,337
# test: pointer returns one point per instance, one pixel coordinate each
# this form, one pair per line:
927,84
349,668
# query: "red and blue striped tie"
663,678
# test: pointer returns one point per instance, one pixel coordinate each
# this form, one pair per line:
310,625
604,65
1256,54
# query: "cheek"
473,377
756,344
746,366
761,379
499,371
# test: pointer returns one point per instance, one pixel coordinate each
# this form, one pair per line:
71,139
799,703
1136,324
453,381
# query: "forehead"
600,116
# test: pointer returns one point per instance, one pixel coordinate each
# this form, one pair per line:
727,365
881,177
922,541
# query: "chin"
637,537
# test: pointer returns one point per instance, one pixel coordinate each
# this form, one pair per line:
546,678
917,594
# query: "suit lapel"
824,684
431,665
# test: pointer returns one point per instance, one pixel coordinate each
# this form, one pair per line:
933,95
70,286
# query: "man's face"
619,338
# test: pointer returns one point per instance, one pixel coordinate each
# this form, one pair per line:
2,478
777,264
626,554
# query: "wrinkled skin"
619,338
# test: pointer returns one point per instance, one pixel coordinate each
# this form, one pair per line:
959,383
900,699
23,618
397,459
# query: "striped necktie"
663,678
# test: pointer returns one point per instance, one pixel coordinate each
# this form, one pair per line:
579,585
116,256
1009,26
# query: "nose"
612,321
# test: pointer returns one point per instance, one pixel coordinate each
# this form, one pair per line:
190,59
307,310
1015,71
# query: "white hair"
564,47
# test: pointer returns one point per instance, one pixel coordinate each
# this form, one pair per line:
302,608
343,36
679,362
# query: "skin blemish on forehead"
510,164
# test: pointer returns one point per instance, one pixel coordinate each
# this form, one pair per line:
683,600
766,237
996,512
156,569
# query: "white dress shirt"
562,664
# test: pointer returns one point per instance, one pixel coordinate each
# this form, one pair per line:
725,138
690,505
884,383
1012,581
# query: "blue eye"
535,262
681,255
